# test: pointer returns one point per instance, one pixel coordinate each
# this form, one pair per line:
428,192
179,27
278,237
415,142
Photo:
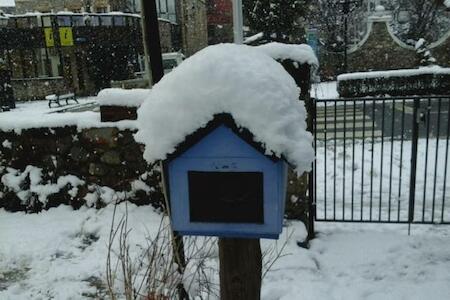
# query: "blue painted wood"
223,151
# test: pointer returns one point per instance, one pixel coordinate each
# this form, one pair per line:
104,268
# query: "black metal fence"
382,160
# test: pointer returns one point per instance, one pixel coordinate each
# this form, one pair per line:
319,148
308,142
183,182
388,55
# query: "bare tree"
424,19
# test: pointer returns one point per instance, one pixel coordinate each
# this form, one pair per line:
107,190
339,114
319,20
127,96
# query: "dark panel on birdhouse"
226,197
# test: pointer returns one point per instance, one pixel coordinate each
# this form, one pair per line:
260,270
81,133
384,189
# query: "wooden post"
240,269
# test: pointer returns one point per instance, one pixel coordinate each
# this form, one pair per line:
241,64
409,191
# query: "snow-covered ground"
324,90
37,114
61,254
364,175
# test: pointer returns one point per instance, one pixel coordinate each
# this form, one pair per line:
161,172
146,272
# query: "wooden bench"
57,98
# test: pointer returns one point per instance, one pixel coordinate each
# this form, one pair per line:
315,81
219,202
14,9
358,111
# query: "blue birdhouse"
221,183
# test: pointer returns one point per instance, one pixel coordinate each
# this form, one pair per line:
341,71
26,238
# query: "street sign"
49,38
66,36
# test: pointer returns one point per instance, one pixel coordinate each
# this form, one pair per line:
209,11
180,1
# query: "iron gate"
382,160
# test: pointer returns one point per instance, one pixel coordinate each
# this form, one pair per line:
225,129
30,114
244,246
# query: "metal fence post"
312,174
412,182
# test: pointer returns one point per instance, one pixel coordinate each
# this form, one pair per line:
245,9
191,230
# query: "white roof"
227,78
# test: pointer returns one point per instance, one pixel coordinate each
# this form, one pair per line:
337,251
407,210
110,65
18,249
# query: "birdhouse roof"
219,120
238,80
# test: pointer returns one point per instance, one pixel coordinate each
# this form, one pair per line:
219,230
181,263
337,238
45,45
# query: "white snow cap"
395,73
301,53
227,78
122,97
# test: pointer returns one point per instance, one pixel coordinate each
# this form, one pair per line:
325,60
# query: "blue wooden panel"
223,151
222,142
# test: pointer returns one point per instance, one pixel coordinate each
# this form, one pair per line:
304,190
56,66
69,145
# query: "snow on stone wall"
44,167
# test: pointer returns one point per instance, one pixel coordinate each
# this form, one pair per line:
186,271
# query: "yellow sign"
49,39
66,36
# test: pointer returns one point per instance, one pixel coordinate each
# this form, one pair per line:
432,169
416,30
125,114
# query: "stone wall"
37,88
90,167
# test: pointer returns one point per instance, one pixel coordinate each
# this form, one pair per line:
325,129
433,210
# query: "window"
119,21
47,21
106,21
166,9
27,22
63,21
78,21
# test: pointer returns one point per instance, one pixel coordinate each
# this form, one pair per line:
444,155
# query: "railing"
382,160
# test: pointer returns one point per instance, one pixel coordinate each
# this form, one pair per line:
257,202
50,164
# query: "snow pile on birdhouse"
236,79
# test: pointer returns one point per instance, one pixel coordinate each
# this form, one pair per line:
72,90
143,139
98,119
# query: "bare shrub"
154,272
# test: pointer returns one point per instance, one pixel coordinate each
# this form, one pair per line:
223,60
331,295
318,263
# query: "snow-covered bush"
422,81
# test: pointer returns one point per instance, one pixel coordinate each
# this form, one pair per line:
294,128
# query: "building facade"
55,46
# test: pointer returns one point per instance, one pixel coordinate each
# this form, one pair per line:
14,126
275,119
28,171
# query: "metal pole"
238,22
414,146
152,44
345,44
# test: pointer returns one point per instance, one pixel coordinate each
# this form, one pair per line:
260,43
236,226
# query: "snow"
395,73
389,197
14,180
254,38
58,253
7,144
37,114
121,97
301,53
379,8
419,43
324,90
447,3
7,3
237,79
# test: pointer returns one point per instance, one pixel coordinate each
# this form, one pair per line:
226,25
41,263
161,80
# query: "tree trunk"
240,269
